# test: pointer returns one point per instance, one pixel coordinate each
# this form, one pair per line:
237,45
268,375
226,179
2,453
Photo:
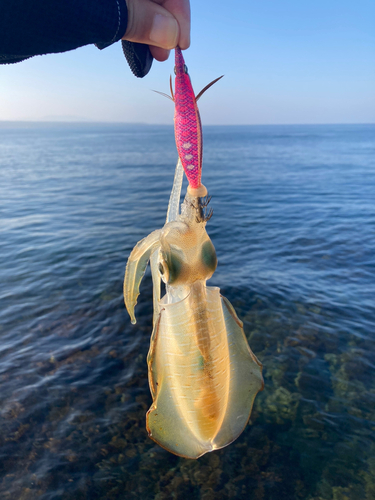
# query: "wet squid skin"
203,376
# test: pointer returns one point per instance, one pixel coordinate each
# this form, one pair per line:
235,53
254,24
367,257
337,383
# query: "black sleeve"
33,27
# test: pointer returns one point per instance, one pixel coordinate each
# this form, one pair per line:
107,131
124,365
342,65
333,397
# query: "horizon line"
107,122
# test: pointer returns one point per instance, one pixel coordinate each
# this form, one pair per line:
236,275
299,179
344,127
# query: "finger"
180,9
152,24
159,54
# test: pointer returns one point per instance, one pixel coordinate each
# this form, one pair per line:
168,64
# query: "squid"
203,376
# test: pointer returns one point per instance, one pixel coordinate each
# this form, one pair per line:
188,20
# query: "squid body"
203,375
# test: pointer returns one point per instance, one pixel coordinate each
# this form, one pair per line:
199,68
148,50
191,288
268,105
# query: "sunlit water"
294,230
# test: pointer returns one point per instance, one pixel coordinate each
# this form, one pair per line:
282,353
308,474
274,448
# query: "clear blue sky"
284,61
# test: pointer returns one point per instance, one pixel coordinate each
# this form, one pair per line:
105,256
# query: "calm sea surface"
294,231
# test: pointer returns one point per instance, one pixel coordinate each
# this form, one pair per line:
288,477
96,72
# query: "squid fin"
152,380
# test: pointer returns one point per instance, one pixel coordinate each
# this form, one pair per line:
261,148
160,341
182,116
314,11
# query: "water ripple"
294,230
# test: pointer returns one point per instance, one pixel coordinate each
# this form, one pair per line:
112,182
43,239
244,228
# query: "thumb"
151,24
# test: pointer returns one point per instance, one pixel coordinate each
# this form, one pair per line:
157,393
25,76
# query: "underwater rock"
280,406
314,380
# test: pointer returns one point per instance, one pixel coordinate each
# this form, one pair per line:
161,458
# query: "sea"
294,230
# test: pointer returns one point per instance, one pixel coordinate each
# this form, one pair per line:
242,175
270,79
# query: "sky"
285,62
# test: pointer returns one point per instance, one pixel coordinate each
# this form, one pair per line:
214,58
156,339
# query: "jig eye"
185,69
175,70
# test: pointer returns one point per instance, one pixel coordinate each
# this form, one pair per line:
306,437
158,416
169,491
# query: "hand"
161,24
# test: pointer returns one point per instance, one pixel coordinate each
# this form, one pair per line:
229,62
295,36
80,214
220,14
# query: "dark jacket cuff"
35,27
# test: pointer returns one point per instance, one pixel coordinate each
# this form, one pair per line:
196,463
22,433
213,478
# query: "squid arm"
135,270
149,248
174,200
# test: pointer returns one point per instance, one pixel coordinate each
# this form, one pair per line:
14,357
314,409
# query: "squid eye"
170,266
164,271
209,255
185,69
174,267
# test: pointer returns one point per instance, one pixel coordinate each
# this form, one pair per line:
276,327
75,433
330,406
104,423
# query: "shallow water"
294,230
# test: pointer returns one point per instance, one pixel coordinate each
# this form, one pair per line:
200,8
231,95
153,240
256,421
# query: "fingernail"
164,31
